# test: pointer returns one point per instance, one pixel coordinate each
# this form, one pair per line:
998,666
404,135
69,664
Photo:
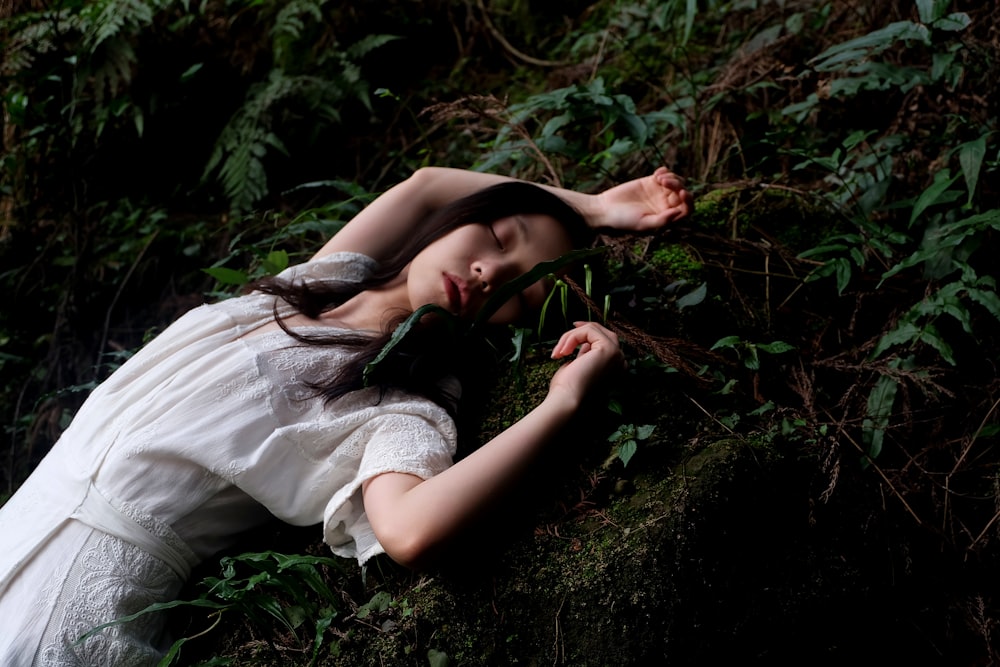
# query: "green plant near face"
455,327
287,588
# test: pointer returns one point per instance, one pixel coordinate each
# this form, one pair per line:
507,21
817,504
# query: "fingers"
585,336
678,200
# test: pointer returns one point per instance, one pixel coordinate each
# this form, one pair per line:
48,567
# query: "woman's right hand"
598,355
645,203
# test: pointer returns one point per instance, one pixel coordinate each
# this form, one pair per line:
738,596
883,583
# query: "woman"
255,407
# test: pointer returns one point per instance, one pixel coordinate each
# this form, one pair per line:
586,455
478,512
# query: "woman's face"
463,268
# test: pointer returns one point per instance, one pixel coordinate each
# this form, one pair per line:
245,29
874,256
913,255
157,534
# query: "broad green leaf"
643,432
436,658
378,603
970,157
228,276
777,347
953,22
727,341
626,451
933,194
275,262
694,297
931,10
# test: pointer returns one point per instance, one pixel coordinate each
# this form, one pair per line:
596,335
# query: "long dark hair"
427,359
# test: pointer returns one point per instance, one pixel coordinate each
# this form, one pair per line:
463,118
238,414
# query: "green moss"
676,261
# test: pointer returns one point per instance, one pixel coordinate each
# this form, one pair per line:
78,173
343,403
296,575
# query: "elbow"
410,547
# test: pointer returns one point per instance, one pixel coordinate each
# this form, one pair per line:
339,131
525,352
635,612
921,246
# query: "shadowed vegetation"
802,461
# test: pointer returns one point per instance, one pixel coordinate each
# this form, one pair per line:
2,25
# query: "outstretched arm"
380,229
414,519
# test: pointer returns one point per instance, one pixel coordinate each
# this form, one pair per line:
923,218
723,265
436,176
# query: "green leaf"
690,11
777,347
228,276
933,194
906,332
970,157
930,336
931,10
519,284
694,297
879,409
727,341
626,450
436,658
953,22
843,270
517,340
987,299
400,334
643,432
379,603
275,262
845,53
156,606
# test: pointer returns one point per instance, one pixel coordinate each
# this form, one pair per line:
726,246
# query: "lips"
455,291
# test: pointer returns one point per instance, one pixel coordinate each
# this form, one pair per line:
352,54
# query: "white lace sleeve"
347,266
392,442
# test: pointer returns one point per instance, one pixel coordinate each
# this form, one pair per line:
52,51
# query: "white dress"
203,434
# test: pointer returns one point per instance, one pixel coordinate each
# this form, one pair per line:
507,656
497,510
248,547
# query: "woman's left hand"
598,355
645,203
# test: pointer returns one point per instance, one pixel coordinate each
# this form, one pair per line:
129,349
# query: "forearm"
381,228
414,518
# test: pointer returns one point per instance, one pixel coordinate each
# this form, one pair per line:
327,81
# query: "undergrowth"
835,295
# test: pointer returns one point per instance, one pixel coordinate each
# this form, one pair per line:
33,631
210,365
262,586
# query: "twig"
885,478
510,48
558,645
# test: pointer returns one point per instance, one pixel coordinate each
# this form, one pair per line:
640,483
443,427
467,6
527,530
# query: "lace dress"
205,433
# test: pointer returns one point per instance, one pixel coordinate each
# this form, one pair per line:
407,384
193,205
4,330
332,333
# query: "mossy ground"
738,532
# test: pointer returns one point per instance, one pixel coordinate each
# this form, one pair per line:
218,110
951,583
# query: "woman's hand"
598,355
645,203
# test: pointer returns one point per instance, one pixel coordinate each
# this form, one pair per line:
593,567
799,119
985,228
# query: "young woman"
256,407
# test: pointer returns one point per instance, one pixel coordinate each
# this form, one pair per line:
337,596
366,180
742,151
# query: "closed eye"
496,238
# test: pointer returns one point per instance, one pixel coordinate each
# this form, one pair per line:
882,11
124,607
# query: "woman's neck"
372,309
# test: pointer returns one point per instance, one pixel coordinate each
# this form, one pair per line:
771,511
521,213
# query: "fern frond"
367,44
107,19
113,71
29,35
290,24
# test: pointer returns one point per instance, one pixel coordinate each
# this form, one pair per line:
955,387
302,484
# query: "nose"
490,274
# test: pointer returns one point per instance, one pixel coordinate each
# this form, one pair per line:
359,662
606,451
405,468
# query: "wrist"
561,404
593,210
